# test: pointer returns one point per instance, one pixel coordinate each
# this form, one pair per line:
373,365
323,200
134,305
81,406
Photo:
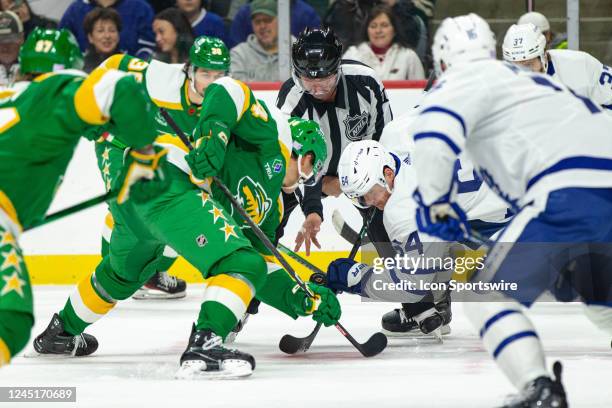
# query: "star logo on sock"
13,283
228,230
11,258
6,238
205,197
105,154
106,170
217,213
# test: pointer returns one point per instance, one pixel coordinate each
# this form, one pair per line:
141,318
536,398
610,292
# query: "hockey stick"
111,195
478,239
345,230
291,345
264,239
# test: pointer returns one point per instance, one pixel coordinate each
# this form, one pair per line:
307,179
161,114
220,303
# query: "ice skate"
206,358
54,340
162,286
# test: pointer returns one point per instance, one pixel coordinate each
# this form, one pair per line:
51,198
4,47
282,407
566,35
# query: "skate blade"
230,370
437,335
142,294
32,353
415,334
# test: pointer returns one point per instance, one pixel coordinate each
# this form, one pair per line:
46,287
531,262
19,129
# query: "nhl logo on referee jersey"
355,125
201,240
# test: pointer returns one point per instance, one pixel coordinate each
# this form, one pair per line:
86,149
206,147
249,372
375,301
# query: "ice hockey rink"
141,342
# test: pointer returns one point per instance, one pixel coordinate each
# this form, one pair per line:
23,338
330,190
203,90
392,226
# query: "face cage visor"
319,87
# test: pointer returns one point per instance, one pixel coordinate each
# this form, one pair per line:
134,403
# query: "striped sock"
510,338
226,298
86,305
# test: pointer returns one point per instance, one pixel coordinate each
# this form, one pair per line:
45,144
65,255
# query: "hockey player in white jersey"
525,45
487,213
548,153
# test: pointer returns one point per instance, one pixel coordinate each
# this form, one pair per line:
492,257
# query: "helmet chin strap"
302,177
191,76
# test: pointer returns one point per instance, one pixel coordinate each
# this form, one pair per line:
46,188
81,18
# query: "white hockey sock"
510,337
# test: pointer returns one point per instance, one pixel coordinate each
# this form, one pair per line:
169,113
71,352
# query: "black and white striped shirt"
360,111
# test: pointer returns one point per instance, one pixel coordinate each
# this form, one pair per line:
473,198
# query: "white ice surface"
141,342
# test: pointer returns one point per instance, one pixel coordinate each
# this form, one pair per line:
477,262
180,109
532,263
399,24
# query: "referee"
348,100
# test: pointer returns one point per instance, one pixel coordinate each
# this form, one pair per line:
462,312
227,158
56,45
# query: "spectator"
28,18
203,22
302,16
348,19
102,26
410,25
256,59
385,51
173,36
136,37
11,38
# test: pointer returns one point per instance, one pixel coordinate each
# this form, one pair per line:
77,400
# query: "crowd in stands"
391,36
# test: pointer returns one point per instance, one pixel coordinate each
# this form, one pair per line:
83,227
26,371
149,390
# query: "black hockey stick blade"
375,344
345,230
290,345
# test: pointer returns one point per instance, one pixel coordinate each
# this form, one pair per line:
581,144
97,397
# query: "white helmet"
462,39
362,166
535,18
524,42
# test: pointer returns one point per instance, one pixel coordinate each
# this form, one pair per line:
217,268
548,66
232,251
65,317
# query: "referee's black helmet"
316,53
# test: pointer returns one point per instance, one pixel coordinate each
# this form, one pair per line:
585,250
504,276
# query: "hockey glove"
443,219
324,308
344,275
143,175
208,156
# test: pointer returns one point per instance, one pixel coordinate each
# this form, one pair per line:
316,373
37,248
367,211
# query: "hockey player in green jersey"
40,125
260,155
179,89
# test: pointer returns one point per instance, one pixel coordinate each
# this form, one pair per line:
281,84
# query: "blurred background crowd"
391,36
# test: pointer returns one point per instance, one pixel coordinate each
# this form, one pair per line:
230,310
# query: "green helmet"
209,53
48,50
308,137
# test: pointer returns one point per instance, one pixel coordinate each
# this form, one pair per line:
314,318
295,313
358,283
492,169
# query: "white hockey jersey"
527,133
584,74
400,223
474,197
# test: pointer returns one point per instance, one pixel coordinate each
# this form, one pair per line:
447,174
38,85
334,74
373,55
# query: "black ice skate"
542,392
397,323
205,358
54,340
162,286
